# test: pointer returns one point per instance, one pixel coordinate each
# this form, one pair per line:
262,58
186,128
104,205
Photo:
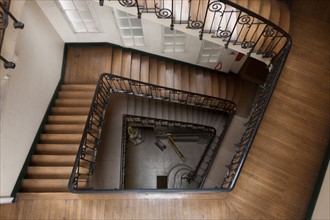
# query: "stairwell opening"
155,144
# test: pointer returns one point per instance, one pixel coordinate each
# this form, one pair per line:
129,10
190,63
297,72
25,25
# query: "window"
173,40
80,15
131,29
209,52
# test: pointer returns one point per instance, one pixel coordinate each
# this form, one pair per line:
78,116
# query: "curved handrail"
108,83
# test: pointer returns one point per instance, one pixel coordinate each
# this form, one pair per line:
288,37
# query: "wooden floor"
280,172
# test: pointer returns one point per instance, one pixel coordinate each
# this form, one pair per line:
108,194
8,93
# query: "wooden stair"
55,154
56,151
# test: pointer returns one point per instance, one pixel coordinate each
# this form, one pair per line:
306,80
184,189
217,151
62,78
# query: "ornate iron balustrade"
4,14
84,164
255,119
222,19
143,121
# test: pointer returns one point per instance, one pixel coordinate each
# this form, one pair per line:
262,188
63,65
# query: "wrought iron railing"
255,118
146,121
83,169
252,32
4,14
222,19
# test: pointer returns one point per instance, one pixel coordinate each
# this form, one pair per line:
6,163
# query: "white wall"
152,31
26,95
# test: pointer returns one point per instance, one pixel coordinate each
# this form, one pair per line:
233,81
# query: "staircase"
107,177
181,76
56,151
52,162
226,23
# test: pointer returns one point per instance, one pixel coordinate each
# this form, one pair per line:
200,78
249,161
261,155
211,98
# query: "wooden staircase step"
215,84
169,71
254,5
199,81
161,69
153,73
45,185
222,86
275,13
177,76
144,68
126,63
64,128
243,3
53,160
116,60
284,22
185,78
49,172
207,83
57,149
70,110
78,87
192,80
265,9
67,119
73,102
135,66
60,138
75,94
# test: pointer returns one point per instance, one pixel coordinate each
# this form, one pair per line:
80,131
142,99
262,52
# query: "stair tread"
275,12
60,138
53,160
265,9
199,81
284,22
70,110
192,80
254,6
207,83
185,78
144,75
116,61
73,102
44,185
57,149
153,73
64,128
222,87
67,119
135,66
78,87
126,63
75,94
177,76
161,68
53,172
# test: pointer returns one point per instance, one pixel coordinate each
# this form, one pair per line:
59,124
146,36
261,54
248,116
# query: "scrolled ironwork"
216,6
248,44
245,19
269,54
222,34
195,24
127,3
163,13
269,32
